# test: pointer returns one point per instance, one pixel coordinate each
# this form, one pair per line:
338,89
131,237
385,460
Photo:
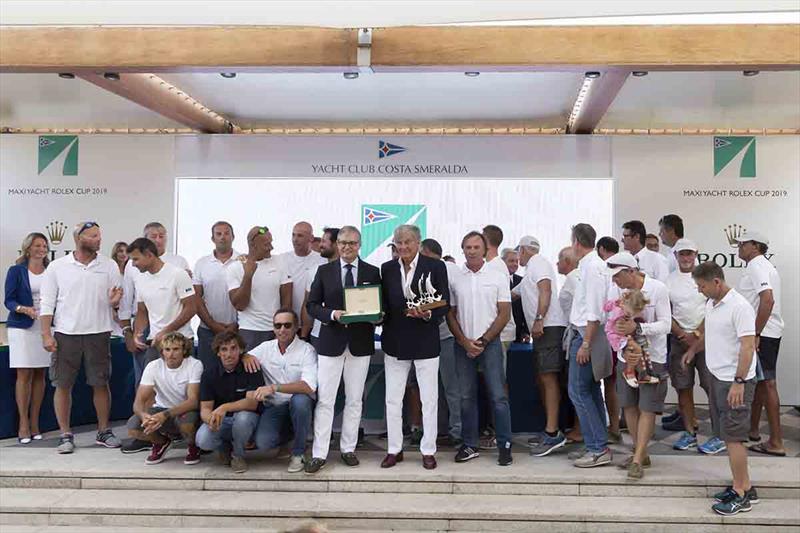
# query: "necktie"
348,277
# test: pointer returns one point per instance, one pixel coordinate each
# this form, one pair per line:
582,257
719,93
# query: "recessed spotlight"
66,75
113,76
350,75
640,73
592,74
228,75
750,73
472,74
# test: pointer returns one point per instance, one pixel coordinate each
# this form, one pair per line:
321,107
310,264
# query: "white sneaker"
296,464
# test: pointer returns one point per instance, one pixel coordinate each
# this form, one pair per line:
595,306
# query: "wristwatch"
737,379
538,317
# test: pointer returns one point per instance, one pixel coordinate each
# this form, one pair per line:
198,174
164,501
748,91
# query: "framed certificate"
362,304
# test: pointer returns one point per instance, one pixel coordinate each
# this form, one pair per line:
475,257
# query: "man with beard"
329,251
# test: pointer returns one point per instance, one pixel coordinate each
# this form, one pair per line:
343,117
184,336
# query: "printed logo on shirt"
187,289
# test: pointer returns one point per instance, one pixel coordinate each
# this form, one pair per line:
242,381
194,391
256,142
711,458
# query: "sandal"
762,448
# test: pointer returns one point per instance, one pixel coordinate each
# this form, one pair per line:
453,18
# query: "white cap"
622,261
754,236
684,244
529,240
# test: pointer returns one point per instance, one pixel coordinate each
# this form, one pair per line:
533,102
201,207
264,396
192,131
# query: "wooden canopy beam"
150,91
486,48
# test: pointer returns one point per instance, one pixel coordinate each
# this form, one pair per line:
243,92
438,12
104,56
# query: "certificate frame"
368,299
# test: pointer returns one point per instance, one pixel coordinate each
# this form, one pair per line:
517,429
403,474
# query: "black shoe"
504,455
135,446
671,417
416,436
350,459
314,465
729,494
465,453
739,504
674,425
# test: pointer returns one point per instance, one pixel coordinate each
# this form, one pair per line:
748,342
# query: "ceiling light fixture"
66,75
592,74
350,75
750,73
472,74
113,76
640,73
228,75
578,106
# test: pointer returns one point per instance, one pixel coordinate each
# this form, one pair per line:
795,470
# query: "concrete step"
359,511
671,476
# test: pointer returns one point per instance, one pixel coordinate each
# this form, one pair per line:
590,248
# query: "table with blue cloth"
121,384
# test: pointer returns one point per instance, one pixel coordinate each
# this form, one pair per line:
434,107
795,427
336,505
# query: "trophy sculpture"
426,299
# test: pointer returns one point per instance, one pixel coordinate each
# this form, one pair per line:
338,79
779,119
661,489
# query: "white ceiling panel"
707,100
47,101
543,99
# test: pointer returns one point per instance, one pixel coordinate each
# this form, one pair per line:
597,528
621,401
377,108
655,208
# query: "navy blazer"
326,295
412,338
18,292
517,311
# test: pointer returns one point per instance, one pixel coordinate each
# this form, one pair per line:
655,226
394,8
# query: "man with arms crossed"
728,335
78,292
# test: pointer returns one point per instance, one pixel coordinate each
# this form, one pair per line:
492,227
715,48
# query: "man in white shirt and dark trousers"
165,298
258,286
344,350
214,307
688,310
728,334
480,307
546,323
761,286
289,365
643,403
589,352
78,292
651,263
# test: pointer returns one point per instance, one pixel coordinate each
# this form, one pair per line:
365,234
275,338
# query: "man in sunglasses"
258,286
289,365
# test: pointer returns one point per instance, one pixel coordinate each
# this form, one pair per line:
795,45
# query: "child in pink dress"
630,305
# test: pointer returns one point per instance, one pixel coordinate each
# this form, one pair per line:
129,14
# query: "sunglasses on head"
88,225
287,325
262,230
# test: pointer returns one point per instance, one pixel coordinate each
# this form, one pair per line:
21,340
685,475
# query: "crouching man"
229,417
167,400
289,367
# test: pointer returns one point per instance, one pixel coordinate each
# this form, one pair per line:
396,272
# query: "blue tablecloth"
122,394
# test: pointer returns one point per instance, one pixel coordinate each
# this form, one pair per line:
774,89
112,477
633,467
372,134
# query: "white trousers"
428,380
329,373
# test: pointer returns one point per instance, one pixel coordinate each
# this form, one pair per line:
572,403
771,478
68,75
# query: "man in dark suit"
511,259
411,335
344,349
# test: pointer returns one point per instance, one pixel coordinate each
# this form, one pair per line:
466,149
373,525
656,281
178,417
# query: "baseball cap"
529,240
622,261
754,236
684,244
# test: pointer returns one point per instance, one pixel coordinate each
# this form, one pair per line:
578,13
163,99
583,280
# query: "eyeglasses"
348,243
627,235
88,225
279,325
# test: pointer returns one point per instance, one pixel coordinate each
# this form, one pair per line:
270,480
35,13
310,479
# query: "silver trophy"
426,298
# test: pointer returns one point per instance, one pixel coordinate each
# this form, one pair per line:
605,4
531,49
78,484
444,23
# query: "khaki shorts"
95,351
683,378
734,424
648,398
548,354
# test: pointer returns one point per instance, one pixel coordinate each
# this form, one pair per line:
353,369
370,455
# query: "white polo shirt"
657,318
476,295
127,307
591,291
265,295
669,255
539,269
171,384
210,273
77,295
509,332
688,304
162,293
452,272
726,322
653,264
759,276
299,363
300,269
567,293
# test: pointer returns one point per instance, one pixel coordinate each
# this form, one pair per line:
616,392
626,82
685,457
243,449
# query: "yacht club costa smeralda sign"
387,150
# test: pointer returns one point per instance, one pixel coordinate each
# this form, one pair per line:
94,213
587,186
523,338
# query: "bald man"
301,262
